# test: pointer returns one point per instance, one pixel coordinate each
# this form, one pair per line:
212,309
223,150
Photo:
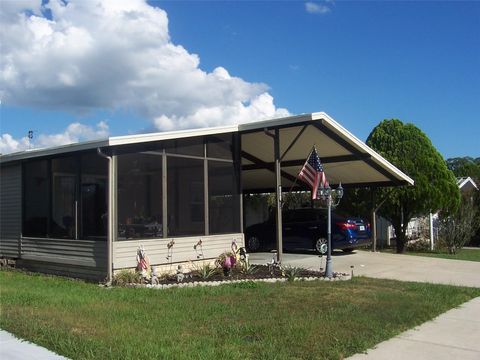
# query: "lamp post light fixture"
326,195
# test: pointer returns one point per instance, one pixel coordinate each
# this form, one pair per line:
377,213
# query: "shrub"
291,272
457,229
125,277
418,245
205,270
246,269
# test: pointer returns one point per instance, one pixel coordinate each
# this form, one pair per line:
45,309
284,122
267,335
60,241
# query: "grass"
293,320
462,254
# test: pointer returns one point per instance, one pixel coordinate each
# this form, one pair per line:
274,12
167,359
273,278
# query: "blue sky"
225,62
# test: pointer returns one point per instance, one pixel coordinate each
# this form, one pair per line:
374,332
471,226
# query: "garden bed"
207,275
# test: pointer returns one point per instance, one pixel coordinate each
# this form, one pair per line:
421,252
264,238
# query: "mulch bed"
262,272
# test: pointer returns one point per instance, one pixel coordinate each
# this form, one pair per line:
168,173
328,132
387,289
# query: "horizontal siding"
125,252
75,271
10,209
86,253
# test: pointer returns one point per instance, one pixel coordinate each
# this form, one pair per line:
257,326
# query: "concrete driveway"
388,266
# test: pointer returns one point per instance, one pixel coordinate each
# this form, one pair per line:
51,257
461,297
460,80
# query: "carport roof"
346,159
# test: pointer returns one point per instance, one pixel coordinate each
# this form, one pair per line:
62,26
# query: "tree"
408,148
468,166
457,229
465,166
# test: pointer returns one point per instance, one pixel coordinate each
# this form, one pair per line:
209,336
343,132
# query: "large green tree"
408,148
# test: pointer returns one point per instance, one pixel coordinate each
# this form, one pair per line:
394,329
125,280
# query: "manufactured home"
83,210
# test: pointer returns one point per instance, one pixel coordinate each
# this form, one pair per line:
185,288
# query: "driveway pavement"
389,266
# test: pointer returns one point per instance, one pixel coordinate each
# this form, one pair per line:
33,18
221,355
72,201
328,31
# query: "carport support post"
373,229
278,187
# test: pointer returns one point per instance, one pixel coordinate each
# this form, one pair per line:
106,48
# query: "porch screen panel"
64,205
94,197
220,146
36,199
140,195
224,200
186,214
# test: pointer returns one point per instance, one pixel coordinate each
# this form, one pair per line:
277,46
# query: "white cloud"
316,8
8,144
74,132
110,54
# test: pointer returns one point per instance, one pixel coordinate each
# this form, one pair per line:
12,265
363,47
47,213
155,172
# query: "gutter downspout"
110,217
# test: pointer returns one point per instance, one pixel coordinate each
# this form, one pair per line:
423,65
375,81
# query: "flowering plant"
226,261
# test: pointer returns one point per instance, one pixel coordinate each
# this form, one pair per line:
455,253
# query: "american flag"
312,173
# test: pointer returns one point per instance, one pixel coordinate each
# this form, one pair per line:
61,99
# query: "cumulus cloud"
8,144
74,132
110,54
316,8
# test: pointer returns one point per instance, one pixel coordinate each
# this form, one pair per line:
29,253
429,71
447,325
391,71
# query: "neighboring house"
466,184
419,228
84,209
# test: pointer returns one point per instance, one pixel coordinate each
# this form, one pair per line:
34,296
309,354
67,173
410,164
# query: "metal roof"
346,159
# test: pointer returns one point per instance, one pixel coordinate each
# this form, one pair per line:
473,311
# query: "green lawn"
297,320
463,254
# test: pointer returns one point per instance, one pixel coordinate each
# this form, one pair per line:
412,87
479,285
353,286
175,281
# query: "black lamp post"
326,194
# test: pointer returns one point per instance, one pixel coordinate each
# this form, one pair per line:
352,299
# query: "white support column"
432,241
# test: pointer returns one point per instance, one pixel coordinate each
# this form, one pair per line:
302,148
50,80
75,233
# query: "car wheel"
253,243
347,250
321,245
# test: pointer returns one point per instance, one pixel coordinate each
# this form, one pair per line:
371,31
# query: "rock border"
336,277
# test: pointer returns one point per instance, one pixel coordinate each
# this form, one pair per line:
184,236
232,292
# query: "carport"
274,151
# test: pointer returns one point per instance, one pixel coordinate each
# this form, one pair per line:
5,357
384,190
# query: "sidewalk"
452,335
12,348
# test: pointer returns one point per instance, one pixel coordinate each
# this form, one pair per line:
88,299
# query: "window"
224,199
186,215
140,195
36,199
94,197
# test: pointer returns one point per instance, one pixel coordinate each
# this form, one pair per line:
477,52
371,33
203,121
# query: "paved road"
389,266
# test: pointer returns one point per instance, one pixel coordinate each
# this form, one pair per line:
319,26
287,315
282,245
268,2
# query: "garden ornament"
199,245
143,263
154,277
180,274
170,249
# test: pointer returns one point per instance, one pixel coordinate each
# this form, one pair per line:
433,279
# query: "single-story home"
83,209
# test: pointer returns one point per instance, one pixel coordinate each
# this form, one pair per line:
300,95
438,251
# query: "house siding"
77,258
124,252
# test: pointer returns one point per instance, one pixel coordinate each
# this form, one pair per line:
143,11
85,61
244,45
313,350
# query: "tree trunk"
399,236
400,243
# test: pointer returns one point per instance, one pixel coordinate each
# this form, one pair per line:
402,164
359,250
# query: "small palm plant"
205,271
291,272
246,268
